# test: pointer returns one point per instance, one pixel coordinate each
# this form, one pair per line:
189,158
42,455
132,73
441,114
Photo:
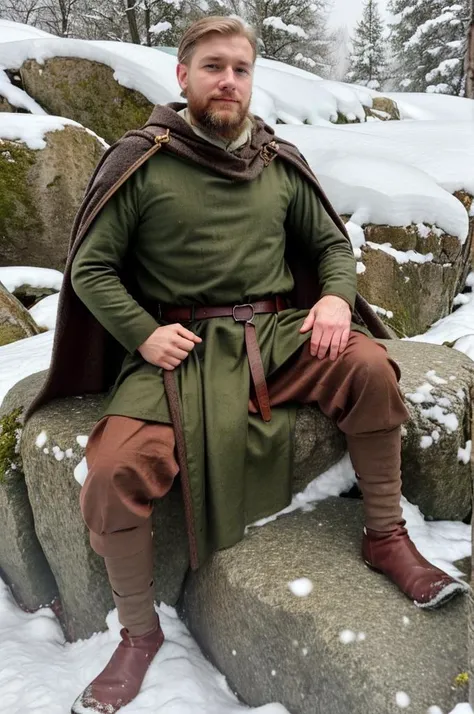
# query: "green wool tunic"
194,237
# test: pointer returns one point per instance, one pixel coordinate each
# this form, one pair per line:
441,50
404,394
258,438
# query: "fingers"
344,339
169,363
335,345
183,332
181,343
308,322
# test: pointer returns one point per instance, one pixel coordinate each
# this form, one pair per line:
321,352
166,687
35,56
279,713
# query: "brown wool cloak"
85,357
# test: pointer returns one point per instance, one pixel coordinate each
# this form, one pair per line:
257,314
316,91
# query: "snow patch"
301,587
41,440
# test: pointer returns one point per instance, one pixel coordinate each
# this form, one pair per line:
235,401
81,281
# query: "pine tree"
429,43
292,31
367,61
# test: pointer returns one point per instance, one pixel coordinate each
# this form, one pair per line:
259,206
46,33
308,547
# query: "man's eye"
211,66
242,70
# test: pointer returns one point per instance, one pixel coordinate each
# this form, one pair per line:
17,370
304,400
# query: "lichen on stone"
462,679
10,431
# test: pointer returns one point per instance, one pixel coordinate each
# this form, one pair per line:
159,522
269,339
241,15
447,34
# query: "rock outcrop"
416,293
353,644
87,92
41,191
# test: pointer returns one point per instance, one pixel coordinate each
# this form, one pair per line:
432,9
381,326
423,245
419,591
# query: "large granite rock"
15,321
434,477
274,646
87,92
22,562
436,382
41,191
416,293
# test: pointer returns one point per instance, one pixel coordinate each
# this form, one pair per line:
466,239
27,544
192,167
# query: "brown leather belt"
241,313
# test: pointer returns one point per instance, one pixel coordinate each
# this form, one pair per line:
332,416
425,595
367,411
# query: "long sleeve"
332,254
98,265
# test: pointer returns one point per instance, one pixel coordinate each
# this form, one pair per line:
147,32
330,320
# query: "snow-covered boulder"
413,273
383,108
350,643
405,190
30,285
15,321
87,92
45,164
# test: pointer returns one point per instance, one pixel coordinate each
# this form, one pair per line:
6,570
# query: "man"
193,234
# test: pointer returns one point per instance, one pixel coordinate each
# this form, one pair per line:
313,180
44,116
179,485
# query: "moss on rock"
18,212
10,430
87,92
40,192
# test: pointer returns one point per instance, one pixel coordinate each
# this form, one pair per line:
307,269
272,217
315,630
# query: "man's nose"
227,79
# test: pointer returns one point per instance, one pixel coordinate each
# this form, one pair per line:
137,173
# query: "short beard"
228,127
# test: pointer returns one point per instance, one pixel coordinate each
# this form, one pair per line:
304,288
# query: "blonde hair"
216,24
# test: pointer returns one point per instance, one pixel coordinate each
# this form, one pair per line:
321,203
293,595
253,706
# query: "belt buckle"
244,319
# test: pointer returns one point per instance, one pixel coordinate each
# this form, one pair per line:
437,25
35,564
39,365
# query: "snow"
14,31
82,440
464,454
457,328
301,587
278,24
32,648
160,27
347,636
22,358
401,256
45,311
394,173
429,107
41,439
14,277
403,700
31,130
80,472
18,97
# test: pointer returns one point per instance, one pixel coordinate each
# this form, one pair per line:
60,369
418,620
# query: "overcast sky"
348,12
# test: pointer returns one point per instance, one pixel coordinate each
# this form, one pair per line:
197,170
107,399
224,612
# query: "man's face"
218,84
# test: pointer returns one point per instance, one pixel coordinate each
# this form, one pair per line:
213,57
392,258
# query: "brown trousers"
132,462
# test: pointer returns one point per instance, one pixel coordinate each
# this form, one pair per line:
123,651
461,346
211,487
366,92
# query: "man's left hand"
330,321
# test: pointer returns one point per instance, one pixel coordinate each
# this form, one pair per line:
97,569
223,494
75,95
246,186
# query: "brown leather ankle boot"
396,556
122,677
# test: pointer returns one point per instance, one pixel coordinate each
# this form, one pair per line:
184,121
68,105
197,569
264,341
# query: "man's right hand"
168,346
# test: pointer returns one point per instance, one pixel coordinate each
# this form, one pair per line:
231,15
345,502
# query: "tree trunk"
132,22
470,57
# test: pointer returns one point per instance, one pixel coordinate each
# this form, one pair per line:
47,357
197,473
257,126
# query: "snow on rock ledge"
281,92
45,164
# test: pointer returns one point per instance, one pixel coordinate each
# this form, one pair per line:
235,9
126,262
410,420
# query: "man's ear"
182,77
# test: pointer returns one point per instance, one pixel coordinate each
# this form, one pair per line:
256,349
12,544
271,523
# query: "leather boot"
396,556
122,677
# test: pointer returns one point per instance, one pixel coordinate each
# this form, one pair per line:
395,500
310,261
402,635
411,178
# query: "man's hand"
168,346
330,320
